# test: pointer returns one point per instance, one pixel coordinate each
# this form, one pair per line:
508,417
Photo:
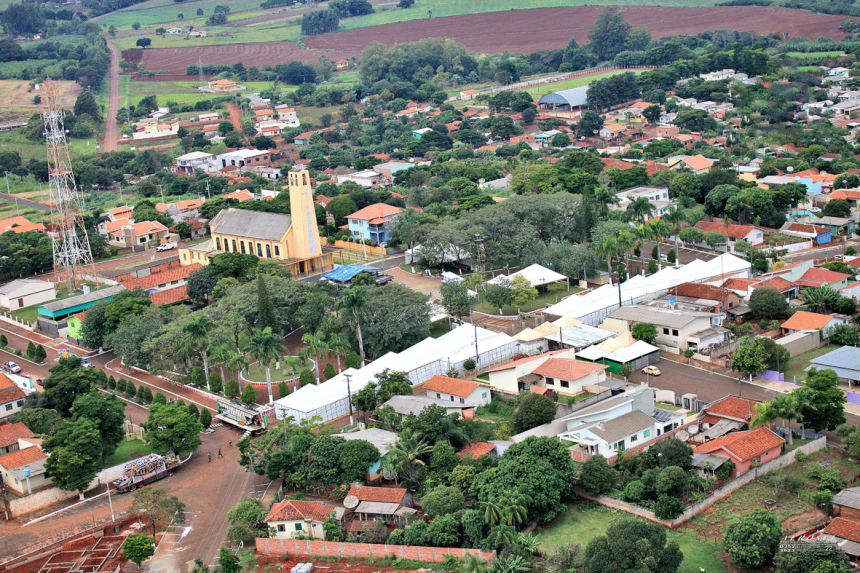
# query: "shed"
846,503
565,99
26,292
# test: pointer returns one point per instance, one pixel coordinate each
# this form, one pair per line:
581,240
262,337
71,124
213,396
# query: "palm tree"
494,509
265,345
316,346
408,449
675,216
660,229
608,248
502,536
604,198
389,466
220,355
354,304
473,564
640,210
642,232
237,362
625,241
338,344
516,508
784,407
196,337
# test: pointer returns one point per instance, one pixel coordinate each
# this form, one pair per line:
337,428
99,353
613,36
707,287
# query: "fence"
358,247
772,375
12,319
716,495
318,548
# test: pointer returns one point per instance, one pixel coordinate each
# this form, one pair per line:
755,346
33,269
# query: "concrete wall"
37,500
336,549
714,497
810,341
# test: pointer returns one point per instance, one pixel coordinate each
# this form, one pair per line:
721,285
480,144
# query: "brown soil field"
523,31
18,100
254,54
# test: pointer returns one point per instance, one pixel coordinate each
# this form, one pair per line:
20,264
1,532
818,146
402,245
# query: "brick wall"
319,548
846,512
151,270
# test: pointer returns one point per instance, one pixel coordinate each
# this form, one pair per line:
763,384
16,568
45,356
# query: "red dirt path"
523,31
255,54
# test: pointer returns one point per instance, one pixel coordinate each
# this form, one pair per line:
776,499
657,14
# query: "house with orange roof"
240,195
610,162
817,277
20,225
455,390
567,375
374,222
478,449
146,234
842,532
181,209
23,470
121,212
731,409
723,298
292,518
698,164
12,435
745,448
387,504
668,131
611,131
510,377
805,321
734,233
169,296
850,195
468,94
165,280
817,234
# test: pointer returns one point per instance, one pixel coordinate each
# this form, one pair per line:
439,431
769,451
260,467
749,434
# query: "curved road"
113,101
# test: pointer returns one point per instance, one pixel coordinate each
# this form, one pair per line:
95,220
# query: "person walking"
219,453
231,444
210,457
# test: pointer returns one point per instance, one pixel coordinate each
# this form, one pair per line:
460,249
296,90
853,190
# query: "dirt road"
113,101
235,116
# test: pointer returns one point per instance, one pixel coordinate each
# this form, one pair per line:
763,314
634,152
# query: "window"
176,282
8,407
665,331
565,383
438,395
234,246
281,527
550,382
242,246
142,240
646,434
298,527
184,256
452,398
634,437
259,250
674,332
277,251
483,396
218,243
268,251
462,400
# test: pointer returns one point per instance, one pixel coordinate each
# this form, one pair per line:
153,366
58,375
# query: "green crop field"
814,55
161,11
540,91
184,92
66,39
276,31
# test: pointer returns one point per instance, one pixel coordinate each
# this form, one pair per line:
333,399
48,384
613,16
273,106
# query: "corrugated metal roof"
377,507
657,316
347,272
251,224
92,296
846,357
849,497
574,97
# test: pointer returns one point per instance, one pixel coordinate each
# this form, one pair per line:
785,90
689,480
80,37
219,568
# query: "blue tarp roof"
345,273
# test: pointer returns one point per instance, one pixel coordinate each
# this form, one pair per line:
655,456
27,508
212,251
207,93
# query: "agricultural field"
15,141
814,55
164,11
538,92
18,99
276,31
65,39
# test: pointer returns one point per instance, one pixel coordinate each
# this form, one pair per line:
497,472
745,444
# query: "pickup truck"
166,246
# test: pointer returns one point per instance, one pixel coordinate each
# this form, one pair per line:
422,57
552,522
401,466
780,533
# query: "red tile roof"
823,276
375,211
738,284
539,390
804,320
567,368
169,296
379,494
452,386
844,529
477,449
9,433
164,277
778,283
803,228
9,391
743,446
516,363
698,162
609,163
23,457
734,231
733,407
293,510
701,290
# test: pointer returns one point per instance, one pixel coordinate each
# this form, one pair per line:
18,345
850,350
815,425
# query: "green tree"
249,396
455,298
633,546
317,347
332,527
354,458
443,500
214,382
329,372
673,452
597,476
40,420
244,519
265,346
826,405
205,418
172,427
138,547
66,382
228,560
645,332
354,305
608,37
533,410
265,308
353,360
75,454
40,355
231,389
107,412
750,358
159,505
196,338
837,208
198,377
31,350
768,302
159,398
192,409
753,539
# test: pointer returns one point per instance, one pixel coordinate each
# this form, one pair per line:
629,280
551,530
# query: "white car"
12,367
652,370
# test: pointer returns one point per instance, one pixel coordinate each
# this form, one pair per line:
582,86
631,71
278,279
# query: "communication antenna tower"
200,71
71,246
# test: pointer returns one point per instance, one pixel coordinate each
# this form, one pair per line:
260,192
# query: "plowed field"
523,31
255,54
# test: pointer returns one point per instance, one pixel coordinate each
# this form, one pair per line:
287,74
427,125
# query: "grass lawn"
497,410
27,149
439,328
256,373
127,451
539,91
31,313
272,31
584,521
665,406
797,363
543,299
814,55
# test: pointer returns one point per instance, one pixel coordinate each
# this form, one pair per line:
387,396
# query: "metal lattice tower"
200,72
71,245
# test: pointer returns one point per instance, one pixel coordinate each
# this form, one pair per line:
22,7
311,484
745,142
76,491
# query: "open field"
15,141
551,28
274,31
538,92
161,11
18,100
813,55
256,373
65,39
585,520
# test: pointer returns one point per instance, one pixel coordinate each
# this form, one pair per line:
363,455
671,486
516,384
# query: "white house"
681,329
291,518
605,437
457,391
195,160
26,292
657,196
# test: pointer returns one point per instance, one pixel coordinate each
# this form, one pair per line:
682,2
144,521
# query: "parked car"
166,246
652,370
85,363
11,367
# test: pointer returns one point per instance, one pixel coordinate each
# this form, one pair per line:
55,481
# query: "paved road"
819,254
25,202
110,140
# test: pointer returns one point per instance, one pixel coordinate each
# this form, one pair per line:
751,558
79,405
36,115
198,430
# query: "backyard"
797,364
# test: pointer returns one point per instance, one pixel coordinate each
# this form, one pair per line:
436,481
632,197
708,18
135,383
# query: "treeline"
86,64
320,22
608,92
99,7
416,62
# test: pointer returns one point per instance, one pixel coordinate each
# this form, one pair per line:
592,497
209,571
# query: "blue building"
374,222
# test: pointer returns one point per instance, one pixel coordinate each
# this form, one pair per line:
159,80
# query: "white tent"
535,274
592,307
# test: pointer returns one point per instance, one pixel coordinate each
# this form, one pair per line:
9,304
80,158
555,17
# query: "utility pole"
349,395
162,192
475,326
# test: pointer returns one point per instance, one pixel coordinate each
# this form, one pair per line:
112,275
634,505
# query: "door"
20,302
